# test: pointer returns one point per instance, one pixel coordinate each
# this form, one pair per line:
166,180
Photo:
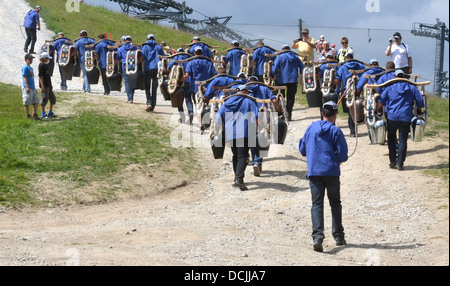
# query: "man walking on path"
31,24
325,148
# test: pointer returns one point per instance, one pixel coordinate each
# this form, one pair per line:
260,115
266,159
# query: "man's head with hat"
195,39
83,33
29,59
286,47
60,35
38,9
397,38
150,37
399,73
235,43
330,111
373,62
198,51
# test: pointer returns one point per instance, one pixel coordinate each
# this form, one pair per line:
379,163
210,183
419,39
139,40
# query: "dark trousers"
318,184
31,38
151,79
187,96
105,81
351,123
240,149
63,80
403,132
290,96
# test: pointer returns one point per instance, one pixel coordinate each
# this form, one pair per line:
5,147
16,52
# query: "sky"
359,20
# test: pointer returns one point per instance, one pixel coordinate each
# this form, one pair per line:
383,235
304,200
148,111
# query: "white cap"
38,7
46,55
196,38
244,87
198,48
235,43
149,36
285,46
322,37
123,38
372,61
241,74
83,31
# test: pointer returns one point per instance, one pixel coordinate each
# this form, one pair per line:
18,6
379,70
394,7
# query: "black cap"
29,56
397,35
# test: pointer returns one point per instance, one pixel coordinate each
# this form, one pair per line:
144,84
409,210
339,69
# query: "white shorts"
30,98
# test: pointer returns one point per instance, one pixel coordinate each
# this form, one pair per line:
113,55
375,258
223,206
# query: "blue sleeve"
188,68
275,67
341,147
24,71
302,145
172,63
361,82
36,17
228,57
383,98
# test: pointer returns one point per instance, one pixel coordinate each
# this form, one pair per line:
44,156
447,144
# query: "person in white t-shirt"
400,54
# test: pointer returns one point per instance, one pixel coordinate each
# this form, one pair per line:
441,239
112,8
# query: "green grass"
98,20
91,146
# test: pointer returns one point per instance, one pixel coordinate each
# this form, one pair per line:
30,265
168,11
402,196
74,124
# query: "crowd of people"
323,144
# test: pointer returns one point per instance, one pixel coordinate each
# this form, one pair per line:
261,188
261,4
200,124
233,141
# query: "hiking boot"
51,115
257,168
240,185
25,50
191,118
317,246
400,168
28,115
392,166
148,108
36,117
44,116
32,52
340,242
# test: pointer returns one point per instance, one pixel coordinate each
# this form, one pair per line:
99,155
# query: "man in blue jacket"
150,52
56,47
325,148
197,43
101,49
30,24
233,58
197,70
342,75
374,69
80,46
187,83
399,99
122,56
238,116
287,65
259,58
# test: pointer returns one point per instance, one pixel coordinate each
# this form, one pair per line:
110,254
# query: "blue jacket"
101,49
287,65
80,46
179,58
219,82
362,80
57,45
206,51
31,19
234,58
259,57
398,100
150,52
122,54
199,70
238,116
325,148
343,74
384,78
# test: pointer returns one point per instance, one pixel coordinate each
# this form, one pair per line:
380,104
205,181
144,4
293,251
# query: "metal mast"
440,32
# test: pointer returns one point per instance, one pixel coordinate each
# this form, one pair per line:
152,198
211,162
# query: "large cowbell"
417,129
377,132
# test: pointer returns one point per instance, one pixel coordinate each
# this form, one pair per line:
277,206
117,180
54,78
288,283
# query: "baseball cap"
285,46
83,31
349,55
38,7
397,35
60,34
329,54
399,72
372,61
149,36
29,56
330,105
305,30
235,43
196,38
322,37
333,45
180,50
241,74
244,87
123,38
253,78
198,48
128,37
46,55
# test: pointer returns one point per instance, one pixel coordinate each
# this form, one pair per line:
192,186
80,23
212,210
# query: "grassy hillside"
98,20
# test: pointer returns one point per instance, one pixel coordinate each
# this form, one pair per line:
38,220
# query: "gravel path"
390,217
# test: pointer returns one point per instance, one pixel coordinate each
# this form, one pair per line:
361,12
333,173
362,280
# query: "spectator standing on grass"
29,93
45,82
325,149
32,24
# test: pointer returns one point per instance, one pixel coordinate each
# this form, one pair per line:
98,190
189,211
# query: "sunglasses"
344,42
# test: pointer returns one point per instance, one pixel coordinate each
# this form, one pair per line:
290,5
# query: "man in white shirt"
400,54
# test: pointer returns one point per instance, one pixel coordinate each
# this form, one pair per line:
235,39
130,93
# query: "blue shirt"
262,92
259,57
150,52
122,54
28,72
57,45
199,70
238,116
80,45
325,148
398,100
206,51
362,80
384,78
234,58
101,49
31,19
218,82
343,74
287,65
179,58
